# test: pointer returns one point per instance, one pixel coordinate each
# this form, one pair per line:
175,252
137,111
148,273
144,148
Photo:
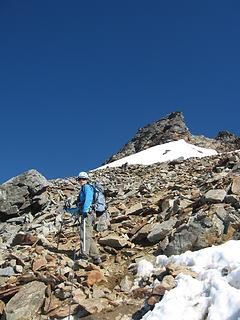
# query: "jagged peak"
172,128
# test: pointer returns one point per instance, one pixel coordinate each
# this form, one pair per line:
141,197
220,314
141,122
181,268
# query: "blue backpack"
99,201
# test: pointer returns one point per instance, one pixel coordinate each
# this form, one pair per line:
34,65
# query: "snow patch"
162,153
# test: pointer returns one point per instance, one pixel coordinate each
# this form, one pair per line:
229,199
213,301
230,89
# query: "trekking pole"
72,275
84,235
66,207
59,235
61,228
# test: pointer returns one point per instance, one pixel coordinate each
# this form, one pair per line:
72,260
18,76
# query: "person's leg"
85,235
86,240
93,250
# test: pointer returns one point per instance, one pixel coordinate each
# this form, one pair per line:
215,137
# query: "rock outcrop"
162,131
172,128
22,194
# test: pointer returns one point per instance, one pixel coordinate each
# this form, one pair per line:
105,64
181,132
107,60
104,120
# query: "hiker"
88,247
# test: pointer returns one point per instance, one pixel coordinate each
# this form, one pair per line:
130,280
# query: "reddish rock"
39,249
39,263
153,300
94,276
49,258
137,227
24,238
141,293
159,290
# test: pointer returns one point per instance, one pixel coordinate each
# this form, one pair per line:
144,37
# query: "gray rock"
185,240
135,209
218,225
236,168
3,280
234,219
207,222
215,195
31,181
126,284
7,272
92,306
233,200
236,185
23,193
26,304
183,203
8,232
142,233
167,204
19,220
3,194
98,293
160,230
220,211
182,242
18,268
114,241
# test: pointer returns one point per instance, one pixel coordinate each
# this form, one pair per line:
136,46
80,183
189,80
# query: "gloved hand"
67,204
84,215
72,211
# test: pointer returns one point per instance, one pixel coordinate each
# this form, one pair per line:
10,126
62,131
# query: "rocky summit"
172,128
164,208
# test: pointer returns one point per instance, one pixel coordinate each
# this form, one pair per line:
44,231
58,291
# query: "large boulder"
196,236
114,241
215,195
23,194
160,230
27,302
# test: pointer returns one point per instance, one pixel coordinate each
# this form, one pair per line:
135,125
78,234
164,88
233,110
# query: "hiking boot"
103,257
83,257
79,264
97,260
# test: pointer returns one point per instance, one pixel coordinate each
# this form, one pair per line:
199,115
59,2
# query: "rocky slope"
165,208
172,128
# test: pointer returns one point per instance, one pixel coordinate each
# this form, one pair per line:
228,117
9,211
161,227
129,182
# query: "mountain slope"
165,208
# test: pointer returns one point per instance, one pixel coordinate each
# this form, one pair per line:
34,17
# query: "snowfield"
162,153
214,295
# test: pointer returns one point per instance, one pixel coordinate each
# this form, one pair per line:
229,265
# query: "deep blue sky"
79,78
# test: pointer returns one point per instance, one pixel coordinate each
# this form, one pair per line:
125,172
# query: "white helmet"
83,175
